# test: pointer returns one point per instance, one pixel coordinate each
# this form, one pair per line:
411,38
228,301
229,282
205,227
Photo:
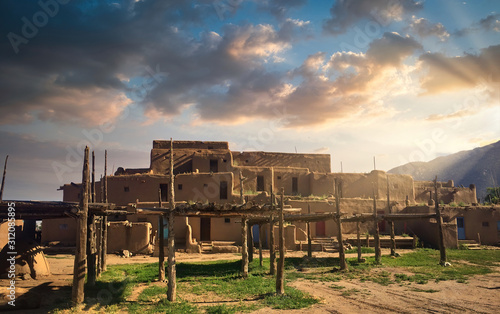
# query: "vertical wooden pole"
172,280
105,217
439,219
161,252
3,177
250,243
242,200
391,222
244,248
343,264
273,201
79,270
272,251
375,226
99,246
309,242
261,234
91,252
358,233
93,200
280,278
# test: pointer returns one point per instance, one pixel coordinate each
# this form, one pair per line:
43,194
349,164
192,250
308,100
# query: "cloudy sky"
401,80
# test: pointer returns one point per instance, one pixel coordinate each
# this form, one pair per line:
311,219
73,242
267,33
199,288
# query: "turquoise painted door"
460,228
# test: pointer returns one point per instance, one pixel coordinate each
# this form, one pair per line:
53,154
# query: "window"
295,186
227,220
486,224
223,190
279,177
260,183
164,192
126,189
142,219
210,147
214,165
179,186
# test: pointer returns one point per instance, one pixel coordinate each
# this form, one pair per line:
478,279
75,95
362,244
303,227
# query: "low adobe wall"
134,237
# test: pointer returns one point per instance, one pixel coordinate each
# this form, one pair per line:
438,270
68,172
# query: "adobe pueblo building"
209,172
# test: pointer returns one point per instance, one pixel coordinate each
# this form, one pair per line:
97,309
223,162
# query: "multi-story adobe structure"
210,172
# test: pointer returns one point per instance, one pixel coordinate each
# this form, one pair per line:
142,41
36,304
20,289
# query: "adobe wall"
4,231
165,144
313,162
132,236
188,187
179,226
283,177
226,231
188,160
361,185
71,192
62,230
322,184
480,220
446,192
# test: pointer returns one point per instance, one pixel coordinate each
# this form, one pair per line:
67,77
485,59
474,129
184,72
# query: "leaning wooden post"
250,243
272,251
358,233
3,177
309,242
104,231
161,252
244,248
439,219
79,270
261,234
343,264
391,222
280,278
375,226
172,280
99,246
92,188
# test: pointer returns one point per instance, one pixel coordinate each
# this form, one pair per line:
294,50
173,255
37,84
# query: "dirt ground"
481,294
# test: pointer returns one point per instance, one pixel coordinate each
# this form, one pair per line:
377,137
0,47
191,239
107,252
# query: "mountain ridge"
479,166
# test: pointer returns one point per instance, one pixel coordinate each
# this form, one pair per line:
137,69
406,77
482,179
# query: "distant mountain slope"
480,166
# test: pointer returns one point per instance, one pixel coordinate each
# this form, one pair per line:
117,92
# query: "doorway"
460,228
214,165
204,229
320,229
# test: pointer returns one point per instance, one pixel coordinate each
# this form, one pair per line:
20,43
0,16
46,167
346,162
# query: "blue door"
460,228
255,231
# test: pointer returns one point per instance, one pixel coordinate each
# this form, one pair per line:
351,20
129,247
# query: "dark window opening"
205,185
164,192
179,186
279,177
224,160
295,186
142,219
223,190
486,224
214,165
227,220
210,147
126,189
260,183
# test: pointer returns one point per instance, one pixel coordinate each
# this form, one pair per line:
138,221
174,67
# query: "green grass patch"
364,249
292,299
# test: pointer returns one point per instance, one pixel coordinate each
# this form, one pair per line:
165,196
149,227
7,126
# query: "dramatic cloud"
424,28
468,71
346,13
489,23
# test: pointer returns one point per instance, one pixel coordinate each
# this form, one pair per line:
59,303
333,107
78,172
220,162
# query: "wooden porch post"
161,252
3,177
172,280
79,270
309,242
272,251
261,234
375,225
280,278
250,243
105,217
391,222
358,233
343,264
244,249
439,219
